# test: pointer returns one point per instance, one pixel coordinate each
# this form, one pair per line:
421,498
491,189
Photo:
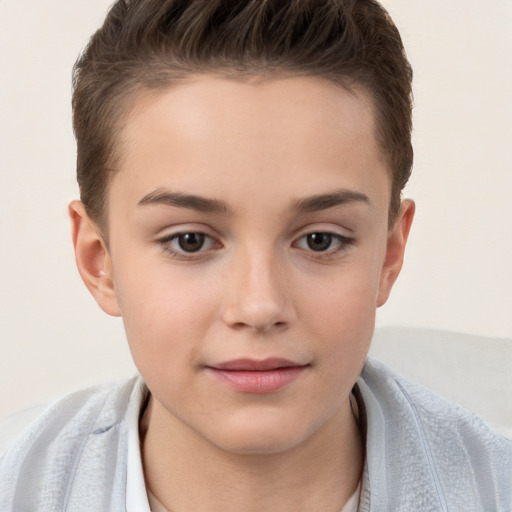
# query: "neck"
186,472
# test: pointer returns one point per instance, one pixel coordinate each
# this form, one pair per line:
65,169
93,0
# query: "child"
240,167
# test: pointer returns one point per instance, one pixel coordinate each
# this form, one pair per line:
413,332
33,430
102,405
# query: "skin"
255,289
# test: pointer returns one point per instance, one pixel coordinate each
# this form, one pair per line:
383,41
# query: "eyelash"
184,255
343,244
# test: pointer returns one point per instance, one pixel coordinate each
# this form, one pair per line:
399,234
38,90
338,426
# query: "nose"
258,297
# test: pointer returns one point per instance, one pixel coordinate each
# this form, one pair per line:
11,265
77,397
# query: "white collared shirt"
136,495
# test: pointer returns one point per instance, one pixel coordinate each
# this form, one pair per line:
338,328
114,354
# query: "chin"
259,438
262,446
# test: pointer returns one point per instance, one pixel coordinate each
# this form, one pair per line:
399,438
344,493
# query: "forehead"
295,132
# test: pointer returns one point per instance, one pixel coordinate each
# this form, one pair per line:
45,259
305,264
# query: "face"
248,251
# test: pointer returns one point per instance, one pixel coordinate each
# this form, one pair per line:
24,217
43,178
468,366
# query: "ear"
397,239
93,259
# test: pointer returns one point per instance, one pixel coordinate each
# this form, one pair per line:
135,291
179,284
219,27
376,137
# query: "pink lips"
253,376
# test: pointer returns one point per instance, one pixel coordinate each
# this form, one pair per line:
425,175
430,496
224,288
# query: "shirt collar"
136,495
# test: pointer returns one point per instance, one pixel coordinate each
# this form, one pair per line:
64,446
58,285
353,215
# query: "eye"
181,244
324,242
319,241
191,242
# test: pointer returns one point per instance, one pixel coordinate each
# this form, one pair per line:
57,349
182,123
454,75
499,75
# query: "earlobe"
93,259
397,240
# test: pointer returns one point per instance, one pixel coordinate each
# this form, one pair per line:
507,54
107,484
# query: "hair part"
152,44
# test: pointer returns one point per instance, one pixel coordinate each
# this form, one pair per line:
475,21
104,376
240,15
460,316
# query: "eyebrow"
181,200
325,201
203,204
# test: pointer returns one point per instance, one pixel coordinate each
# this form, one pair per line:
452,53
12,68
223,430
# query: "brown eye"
319,241
324,243
191,242
189,245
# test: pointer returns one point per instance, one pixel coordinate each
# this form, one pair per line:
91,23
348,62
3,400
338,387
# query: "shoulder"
397,394
84,426
445,451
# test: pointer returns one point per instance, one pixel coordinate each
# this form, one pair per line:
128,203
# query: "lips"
255,365
257,376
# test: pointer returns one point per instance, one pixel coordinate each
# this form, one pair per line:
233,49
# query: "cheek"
346,296
342,315
346,324
166,314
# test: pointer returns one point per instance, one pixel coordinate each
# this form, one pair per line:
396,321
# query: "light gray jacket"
423,453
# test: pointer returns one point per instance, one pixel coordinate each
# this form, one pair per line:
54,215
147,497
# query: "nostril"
258,325
257,303
238,326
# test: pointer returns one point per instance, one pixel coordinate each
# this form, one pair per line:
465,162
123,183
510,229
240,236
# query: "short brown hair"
150,44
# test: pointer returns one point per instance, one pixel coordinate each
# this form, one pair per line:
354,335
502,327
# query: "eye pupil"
319,241
191,242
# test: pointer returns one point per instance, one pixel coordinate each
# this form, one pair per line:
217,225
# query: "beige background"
458,274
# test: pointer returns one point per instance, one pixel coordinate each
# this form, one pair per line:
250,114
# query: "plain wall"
457,276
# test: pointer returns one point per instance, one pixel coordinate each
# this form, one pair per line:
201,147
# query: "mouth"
257,376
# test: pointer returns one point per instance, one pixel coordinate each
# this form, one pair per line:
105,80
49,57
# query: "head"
241,165
153,44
